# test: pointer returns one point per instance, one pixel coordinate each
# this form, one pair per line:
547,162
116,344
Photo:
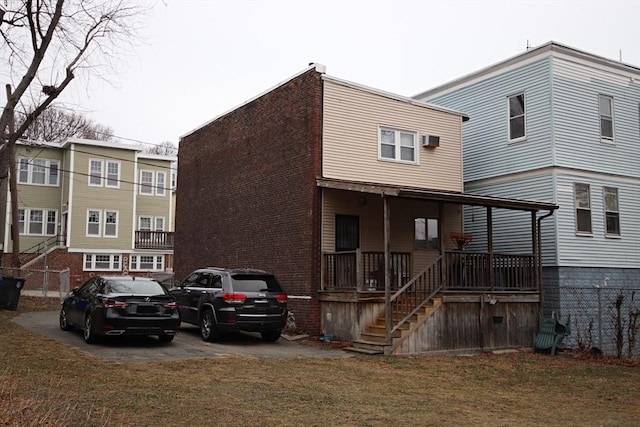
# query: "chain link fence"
603,319
45,283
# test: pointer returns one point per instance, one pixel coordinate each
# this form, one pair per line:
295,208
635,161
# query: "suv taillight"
111,303
281,297
234,297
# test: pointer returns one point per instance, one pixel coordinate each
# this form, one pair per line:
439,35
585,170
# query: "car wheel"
89,336
208,326
165,338
271,336
64,320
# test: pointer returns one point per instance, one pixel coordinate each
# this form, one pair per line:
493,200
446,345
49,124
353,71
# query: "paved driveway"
187,344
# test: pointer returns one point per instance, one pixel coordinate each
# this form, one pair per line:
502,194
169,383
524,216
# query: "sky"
199,59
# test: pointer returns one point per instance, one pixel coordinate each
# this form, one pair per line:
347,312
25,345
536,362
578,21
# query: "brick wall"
247,195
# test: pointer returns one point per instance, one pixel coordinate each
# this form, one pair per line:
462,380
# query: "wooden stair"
373,339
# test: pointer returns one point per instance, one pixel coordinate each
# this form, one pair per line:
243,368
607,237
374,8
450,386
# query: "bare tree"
166,148
56,125
44,45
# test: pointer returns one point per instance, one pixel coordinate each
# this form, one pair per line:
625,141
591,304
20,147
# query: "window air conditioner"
430,141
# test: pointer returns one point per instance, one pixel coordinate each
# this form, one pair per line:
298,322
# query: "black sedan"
121,305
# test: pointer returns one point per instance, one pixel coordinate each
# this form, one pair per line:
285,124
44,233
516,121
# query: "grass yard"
44,383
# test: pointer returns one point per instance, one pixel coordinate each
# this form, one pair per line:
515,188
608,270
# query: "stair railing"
409,299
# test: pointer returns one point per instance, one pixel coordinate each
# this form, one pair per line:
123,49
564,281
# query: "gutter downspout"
539,260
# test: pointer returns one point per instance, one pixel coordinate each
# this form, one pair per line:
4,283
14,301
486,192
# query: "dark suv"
221,300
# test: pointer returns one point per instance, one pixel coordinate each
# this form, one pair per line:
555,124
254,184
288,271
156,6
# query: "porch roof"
435,195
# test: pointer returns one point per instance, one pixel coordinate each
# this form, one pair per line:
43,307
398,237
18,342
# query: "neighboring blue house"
560,125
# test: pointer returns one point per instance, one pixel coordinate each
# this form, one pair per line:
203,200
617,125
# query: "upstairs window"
146,182
38,171
606,118
113,175
111,224
583,208
95,172
516,117
37,222
93,222
612,215
395,144
160,183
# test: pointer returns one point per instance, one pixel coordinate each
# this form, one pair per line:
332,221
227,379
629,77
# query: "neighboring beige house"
95,207
353,197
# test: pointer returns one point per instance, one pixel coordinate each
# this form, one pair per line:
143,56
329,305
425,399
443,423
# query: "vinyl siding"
598,250
512,229
350,140
154,205
87,197
487,150
576,90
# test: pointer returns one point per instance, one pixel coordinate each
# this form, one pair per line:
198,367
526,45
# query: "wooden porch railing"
364,270
408,300
153,240
495,272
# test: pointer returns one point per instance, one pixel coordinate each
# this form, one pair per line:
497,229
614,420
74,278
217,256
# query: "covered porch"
384,290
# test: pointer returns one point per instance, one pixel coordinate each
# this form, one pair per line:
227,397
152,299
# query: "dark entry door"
347,233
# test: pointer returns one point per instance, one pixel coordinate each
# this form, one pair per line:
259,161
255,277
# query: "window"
397,144
612,215
95,172
146,182
426,233
159,223
101,262
347,233
32,222
113,175
38,171
583,208
516,117
93,223
147,262
606,118
144,223
111,224
160,183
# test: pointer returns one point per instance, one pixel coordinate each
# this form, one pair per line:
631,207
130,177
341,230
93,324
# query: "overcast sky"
203,58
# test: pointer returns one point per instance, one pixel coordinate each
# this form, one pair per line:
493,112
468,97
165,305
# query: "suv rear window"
255,283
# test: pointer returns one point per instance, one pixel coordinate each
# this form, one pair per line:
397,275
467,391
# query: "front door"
347,233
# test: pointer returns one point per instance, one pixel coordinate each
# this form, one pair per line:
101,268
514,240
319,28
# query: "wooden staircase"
373,339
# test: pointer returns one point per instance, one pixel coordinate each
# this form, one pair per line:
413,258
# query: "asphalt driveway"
187,344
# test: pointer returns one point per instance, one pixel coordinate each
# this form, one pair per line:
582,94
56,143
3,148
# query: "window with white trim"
147,263
582,196
38,171
612,214
606,118
161,178
95,172
159,223
102,262
37,222
113,174
146,182
110,224
517,117
396,144
144,223
93,222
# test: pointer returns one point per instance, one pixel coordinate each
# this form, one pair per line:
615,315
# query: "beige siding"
87,197
369,208
155,205
350,140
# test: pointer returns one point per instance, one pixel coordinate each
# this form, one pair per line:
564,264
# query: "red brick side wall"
247,195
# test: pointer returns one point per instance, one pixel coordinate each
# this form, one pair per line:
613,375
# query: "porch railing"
364,270
154,240
408,300
497,272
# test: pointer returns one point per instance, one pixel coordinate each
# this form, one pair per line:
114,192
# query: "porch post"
490,247
387,269
442,244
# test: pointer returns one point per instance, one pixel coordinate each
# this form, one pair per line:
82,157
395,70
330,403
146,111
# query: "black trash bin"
10,288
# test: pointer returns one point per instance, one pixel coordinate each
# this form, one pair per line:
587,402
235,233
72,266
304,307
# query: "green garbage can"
10,288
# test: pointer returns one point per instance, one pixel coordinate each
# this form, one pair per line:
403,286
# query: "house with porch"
560,124
354,198
92,207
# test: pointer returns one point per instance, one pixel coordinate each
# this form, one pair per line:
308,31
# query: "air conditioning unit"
430,141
